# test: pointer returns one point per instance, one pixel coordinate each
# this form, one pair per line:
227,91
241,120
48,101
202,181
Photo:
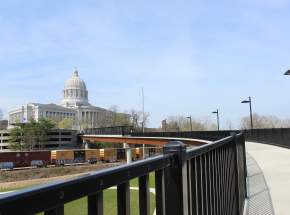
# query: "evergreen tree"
29,135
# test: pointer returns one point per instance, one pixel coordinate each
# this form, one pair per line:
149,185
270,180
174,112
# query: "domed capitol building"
74,105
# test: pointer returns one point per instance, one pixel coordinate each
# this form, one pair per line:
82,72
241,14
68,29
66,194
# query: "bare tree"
119,118
181,123
229,125
261,121
137,118
1,114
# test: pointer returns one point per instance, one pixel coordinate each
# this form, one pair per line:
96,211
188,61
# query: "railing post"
176,184
128,151
245,164
237,173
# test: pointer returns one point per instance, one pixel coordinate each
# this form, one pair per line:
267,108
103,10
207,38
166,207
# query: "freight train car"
10,160
108,155
92,155
79,156
61,157
139,153
149,152
121,154
158,150
25,158
134,154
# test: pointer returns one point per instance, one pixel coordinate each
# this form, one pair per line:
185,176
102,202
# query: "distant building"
61,139
74,105
3,124
57,139
4,140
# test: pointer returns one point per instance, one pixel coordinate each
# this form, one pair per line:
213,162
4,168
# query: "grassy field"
79,207
134,182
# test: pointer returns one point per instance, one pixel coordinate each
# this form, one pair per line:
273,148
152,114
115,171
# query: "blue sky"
191,57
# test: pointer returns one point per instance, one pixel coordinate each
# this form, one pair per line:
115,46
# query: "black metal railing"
116,130
206,180
273,136
204,135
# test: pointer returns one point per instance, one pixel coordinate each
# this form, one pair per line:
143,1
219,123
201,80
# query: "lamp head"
245,101
287,72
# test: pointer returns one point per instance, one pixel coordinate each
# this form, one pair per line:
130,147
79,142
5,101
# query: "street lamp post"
143,119
249,101
217,118
164,123
190,121
287,72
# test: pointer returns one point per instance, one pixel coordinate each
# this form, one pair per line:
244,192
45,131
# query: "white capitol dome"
75,92
75,82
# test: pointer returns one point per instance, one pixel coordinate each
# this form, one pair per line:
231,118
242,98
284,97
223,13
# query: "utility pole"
165,124
217,117
143,112
190,121
251,113
143,119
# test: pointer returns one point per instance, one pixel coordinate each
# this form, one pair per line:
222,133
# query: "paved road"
275,164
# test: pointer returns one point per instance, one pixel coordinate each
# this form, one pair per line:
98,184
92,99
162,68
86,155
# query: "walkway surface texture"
269,173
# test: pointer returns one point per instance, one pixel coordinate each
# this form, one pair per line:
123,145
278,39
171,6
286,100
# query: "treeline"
262,121
181,123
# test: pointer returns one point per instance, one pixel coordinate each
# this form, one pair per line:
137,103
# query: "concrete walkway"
275,165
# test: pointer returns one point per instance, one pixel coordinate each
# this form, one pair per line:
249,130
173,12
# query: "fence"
273,136
204,135
117,130
130,130
206,180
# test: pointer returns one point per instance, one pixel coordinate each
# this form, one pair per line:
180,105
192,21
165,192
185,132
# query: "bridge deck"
274,162
157,141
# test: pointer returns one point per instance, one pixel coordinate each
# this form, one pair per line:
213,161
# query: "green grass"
79,207
134,182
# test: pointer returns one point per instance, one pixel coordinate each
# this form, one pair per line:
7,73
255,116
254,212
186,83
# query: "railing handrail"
141,140
208,147
64,191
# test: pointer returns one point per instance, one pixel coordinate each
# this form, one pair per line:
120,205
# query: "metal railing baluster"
159,189
123,199
205,183
199,185
95,204
59,210
144,195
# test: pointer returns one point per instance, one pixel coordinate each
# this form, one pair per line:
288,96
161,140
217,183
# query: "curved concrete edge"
259,201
